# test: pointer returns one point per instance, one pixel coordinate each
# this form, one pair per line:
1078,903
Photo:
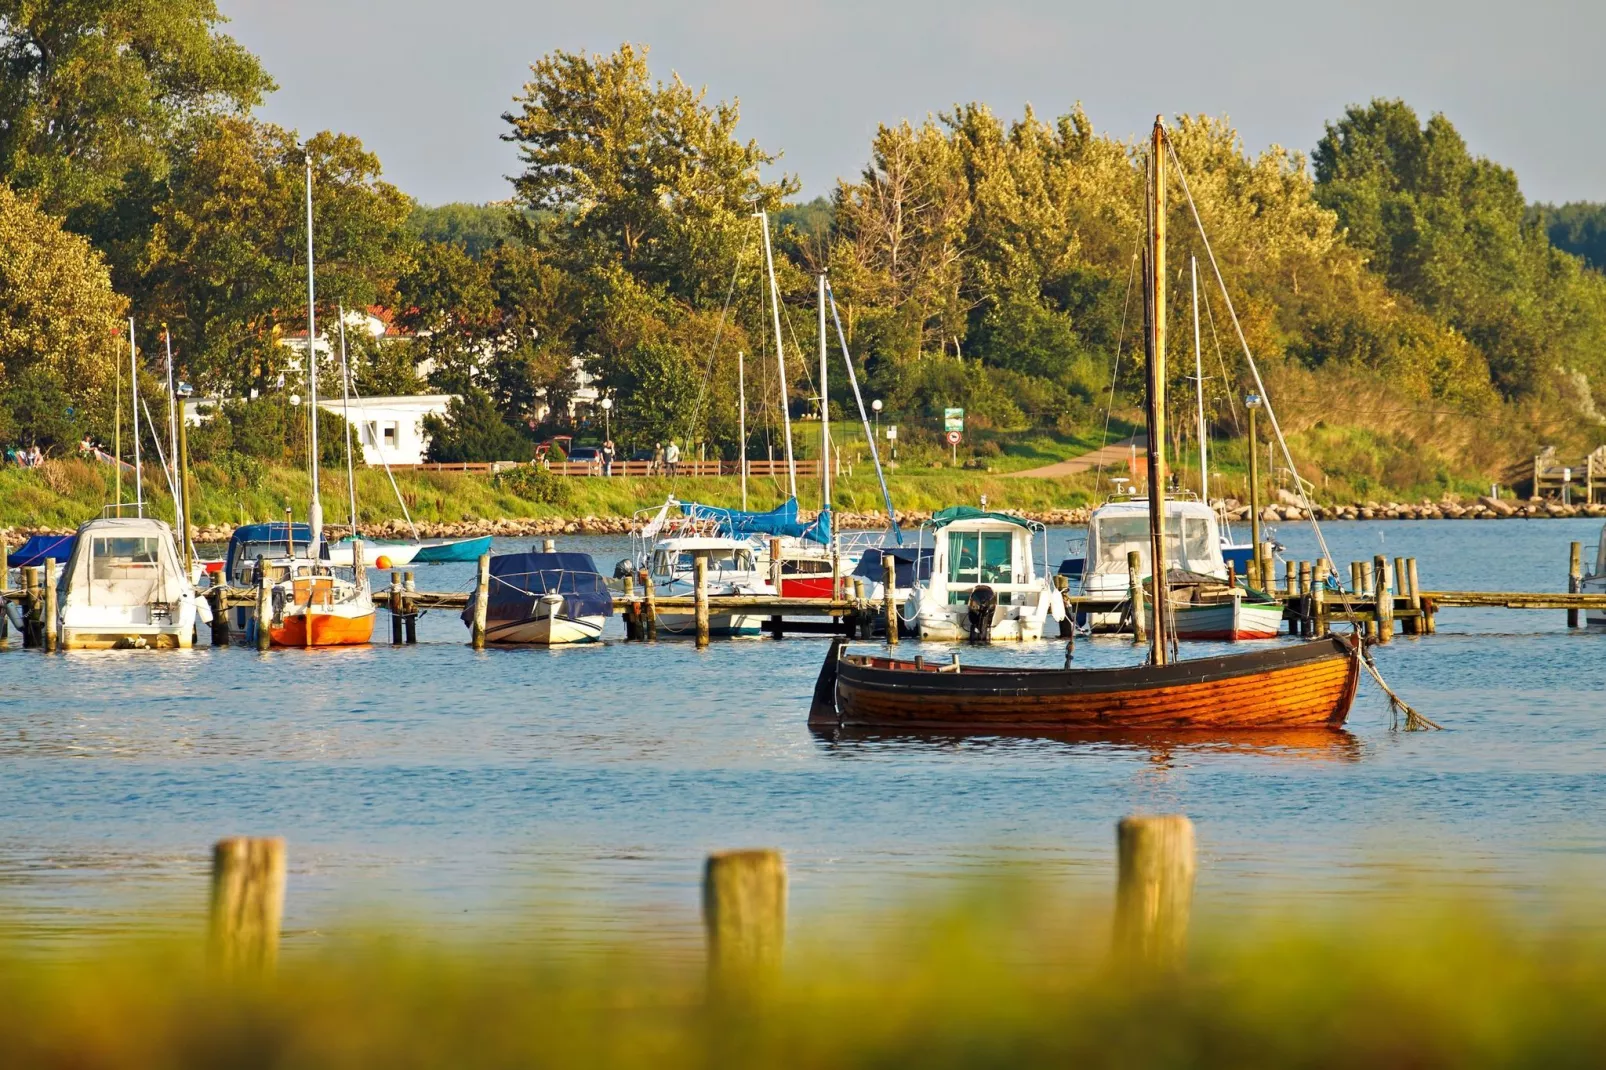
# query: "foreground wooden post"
395,609
50,605
1134,580
1154,889
889,595
699,571
247,902
409,608
627,587
744,914
1575,578
264,608
651,605
1385,599
30,606
482,593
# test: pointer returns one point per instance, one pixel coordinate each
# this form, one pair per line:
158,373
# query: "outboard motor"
625,567
981,604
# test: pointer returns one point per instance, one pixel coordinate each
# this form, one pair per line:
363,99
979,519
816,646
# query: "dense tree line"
976,261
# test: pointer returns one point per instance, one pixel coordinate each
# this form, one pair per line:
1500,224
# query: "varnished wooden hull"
1305,685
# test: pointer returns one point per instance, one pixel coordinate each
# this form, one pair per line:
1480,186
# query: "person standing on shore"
672,458
607,457
657,459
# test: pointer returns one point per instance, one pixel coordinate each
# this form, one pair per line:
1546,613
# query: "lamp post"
875,407
607,422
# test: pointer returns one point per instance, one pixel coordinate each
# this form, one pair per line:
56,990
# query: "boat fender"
13,613
203,610
278,604
979,608
1056,603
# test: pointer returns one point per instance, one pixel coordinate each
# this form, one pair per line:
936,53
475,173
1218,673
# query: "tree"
94,93
1578,228
477,228
60,323
473,431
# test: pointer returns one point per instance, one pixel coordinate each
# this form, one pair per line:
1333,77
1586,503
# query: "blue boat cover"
33,552
782,520
517,580
911,564
277,534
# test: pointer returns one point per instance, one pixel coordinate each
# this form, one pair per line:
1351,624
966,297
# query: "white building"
391,429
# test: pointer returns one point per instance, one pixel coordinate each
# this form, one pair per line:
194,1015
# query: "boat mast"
117,438
780,353
315,509
1160,626
172,437
825,410
1198,380
345,412
741,421
133,379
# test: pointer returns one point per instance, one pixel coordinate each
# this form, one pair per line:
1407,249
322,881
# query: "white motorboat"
395,554
983,584
124,588
732,569
544,599
1595,583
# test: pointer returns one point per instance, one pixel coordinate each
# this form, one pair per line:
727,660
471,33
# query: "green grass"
1004,979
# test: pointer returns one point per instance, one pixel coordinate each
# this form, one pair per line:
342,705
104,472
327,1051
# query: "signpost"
953,422
892,437
953,445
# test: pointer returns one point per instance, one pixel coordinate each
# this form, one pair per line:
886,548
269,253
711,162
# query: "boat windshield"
250,551
125,570
981,557
726,559
1187,543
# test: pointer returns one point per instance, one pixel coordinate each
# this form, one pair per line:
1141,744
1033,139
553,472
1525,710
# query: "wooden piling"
1252,574
1368,589
889,596
1318,599
1062,584
5,619
1134,582
627,587
1290,579
775,565
1154,889
482,595
861,608
264,621
30,606
836,573
395,609
410,609
549,546
1307,625
700,598
650,605
247,902
1385,600
50,605
1575,578
744,915
219,602
1413,597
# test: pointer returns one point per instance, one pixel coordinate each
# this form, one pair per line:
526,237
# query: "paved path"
1114,455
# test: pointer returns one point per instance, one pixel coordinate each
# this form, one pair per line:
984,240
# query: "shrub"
534,484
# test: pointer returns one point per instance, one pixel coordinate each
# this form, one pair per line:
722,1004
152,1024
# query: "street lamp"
876,407
607,423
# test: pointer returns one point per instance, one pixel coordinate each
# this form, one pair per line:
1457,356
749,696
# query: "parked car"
585,455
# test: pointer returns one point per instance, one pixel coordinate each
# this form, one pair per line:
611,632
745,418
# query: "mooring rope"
1414,721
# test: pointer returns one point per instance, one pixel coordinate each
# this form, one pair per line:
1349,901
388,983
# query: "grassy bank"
1006,979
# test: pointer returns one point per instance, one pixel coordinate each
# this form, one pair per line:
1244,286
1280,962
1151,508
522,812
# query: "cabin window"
124,569
1187,543
981,557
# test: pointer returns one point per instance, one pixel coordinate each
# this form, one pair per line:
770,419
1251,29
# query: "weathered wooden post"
1154,889
247,902
1062,584
651,606
1318,598
1134,584
1290,579
264,621
627,587
50,605
775,566
1415,598
699,571
1306,624
889,596
5,619
409,608
836,574
30,606
1575,578
482,595
744,914
1385,599
218,597
394,605
861,609
549,546
1252,574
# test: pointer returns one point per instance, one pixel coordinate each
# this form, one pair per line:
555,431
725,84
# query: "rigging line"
713,350
1232,393
1414,721
1115,373
379,449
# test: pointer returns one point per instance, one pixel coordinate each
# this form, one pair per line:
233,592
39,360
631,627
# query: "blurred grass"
1001,978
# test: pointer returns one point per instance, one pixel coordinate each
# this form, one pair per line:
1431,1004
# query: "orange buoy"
383,561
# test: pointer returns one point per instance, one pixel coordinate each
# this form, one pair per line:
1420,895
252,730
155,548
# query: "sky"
424,82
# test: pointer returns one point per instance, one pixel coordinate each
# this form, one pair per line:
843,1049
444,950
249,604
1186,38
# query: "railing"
809,469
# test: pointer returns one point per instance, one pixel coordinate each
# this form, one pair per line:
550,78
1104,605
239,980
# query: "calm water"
589,782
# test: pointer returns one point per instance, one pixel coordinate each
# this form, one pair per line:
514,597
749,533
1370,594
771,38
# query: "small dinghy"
545,599
435,553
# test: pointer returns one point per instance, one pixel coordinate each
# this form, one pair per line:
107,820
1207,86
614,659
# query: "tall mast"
117,437
825,410
315,509
133,379
1198,380
780,353
1160,627
741,421
345,413
172,437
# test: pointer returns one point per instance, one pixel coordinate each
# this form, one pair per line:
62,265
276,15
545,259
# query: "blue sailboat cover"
33,552
518,580
911,564
782,520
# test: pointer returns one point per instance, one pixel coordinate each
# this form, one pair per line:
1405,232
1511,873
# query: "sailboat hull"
1308,685
1232,620
328,629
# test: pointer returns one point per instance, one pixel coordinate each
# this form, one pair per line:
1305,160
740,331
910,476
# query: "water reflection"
1313,744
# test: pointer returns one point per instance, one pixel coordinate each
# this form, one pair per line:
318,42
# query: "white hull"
546,631
398,554
955,627
109,635
720,625
1594,618
1231,620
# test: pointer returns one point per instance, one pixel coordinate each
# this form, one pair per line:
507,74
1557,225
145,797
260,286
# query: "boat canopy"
33,552
518,581
271,540
782,520
1192,542
911,564
117,562
954,514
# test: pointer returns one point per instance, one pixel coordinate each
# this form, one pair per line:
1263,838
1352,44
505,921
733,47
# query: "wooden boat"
1295,686
1206,608
1304,685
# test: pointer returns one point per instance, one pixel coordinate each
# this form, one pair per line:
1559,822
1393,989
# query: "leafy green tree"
94,93
477,228
473,431
1578,228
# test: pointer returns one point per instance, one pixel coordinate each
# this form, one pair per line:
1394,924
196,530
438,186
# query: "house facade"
391,429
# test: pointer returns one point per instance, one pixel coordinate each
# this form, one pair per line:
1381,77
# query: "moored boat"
435,553
982,584
1595,583
124,588
544,599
